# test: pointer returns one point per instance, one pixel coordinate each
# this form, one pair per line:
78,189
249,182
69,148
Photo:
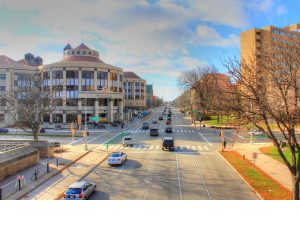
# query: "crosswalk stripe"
193,147
205,148
193,131
151,147
157,147
199,147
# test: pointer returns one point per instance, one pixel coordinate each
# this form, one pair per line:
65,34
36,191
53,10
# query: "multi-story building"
257,40
86,84
12,75
134,91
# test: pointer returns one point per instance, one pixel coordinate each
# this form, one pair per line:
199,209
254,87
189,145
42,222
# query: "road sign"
95,118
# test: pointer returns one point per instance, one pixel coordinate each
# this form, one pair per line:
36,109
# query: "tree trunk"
295,189
35,135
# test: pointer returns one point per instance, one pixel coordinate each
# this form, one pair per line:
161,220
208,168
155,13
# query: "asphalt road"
193,171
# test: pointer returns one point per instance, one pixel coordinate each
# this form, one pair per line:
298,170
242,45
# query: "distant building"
134,91
30,60
149,93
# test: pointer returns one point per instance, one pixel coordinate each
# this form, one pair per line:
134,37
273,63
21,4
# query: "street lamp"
85,127
251,139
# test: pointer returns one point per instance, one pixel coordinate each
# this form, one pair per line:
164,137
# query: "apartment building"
134,91
263,39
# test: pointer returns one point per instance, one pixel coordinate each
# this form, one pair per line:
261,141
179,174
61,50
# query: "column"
64,88
51,118
64,117
110,110
96,107
121,109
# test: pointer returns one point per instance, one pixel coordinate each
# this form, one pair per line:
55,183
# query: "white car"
79,190
117,158
127,141
256,132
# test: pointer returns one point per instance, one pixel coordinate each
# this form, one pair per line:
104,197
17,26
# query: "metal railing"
11,146
21,181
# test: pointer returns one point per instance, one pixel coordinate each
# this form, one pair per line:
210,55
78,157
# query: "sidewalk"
272,167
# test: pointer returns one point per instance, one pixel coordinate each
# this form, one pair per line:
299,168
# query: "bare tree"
266,93
30,103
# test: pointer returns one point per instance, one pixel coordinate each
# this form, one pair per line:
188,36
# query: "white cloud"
281,10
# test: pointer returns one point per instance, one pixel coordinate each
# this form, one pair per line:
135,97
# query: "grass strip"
265,185
273,153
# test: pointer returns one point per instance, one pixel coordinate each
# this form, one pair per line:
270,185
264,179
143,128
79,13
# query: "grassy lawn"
272,152
267,187
224,120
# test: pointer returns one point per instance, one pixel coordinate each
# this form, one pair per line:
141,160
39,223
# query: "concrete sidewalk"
272,167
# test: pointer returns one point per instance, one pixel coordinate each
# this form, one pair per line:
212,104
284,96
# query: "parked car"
161,118
256,132
154,132
169,119
80,190
154,122
117,158
3,131
127,141
55,144
169,130
168,144
169,115
145,126
168,122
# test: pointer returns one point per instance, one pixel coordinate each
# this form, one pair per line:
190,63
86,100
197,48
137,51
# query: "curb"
85,175
261,198
43,180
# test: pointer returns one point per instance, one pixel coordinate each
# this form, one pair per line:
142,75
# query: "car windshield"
115,155
127,139
73,191
153,129
168,142
146,124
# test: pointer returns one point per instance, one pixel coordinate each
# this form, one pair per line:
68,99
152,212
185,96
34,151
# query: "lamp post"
85,126
251,139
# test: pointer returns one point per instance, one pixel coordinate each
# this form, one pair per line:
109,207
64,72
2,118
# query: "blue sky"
157,39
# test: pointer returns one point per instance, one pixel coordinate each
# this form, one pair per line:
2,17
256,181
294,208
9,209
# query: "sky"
156,39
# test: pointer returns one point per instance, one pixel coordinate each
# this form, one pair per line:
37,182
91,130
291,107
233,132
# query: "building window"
84,52
71,118
2,102
1,117
72,88
46,118
57,84
115,102
87,80
120,83
113,82
78,52
57,118
102,79
89,102
103,102
90,53
2,76
2,88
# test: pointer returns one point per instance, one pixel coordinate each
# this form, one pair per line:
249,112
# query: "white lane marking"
187,147
157,147
193,131
185,131
178,177
193,147
95,138
149,171
151,147
121,170
200,148
240,136
205,139
206,148
199,172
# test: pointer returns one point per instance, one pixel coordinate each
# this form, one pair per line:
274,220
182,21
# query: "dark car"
169,119
145,126
169,130
169,115
168,144
168,122
161,118
3,130
154,132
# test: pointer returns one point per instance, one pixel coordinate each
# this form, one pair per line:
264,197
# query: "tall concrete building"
262,39
134,91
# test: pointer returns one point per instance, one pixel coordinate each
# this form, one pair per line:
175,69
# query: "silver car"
79,190
117,158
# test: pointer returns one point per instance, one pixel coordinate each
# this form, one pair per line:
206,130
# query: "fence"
22,181
11,146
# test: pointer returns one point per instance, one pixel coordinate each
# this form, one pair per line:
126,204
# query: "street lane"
193,171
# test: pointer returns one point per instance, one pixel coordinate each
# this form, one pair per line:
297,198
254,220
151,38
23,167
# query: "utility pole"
85,146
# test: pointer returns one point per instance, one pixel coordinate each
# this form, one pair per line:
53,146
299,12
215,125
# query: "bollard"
57,162
19,183
35,174
48,168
